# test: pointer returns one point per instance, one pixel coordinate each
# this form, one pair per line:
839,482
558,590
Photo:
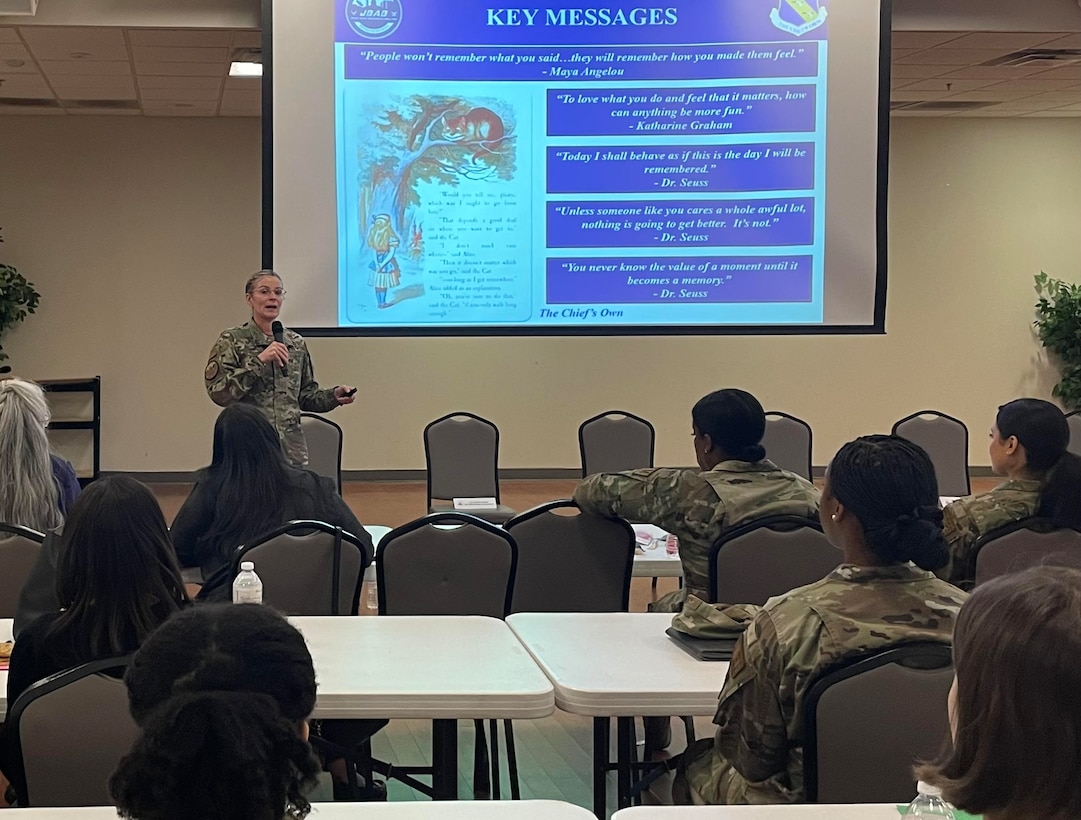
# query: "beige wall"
139,233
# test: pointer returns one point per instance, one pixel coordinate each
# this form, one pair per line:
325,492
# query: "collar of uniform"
733,466
1025,485
255,333
856,574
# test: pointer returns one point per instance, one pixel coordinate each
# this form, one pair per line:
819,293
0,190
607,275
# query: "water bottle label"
248,596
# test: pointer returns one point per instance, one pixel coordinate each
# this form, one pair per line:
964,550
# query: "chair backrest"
1026,543
19,548
755,561
1074,421
73,728
308,568
615,441
462,455
788,443
464,567
867,722
571,563
946,441
324,439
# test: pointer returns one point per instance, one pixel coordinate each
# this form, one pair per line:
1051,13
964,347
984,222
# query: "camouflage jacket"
234,373
698,507
968,519
756,755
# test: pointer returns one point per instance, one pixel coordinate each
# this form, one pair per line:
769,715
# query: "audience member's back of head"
117,578
28,492
735,421
222,694
888,484
1042,430
1015,711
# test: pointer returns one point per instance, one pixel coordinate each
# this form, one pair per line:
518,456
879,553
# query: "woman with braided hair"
880,508
222,694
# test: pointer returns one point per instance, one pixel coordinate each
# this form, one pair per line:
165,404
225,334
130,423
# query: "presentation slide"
566,165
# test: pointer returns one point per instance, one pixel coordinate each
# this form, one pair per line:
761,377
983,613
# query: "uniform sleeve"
230,375
961,533
752,731
192,521
313,398
674,500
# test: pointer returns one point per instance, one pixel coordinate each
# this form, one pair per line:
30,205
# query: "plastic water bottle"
247,588
929,804
371,603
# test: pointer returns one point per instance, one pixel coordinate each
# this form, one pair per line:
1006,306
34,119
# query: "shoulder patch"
211,371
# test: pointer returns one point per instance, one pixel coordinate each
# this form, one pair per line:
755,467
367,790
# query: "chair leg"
688,724
512,762
653,586
493,730
481,785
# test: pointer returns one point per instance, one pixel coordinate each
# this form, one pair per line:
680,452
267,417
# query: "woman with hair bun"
735,484
1028,445
880,508
222,694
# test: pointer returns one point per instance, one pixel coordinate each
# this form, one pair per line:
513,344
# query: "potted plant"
18,299
1058,323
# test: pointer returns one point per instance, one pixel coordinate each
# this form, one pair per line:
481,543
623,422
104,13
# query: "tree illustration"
442,139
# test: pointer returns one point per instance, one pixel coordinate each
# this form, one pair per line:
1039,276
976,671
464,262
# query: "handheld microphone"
279,337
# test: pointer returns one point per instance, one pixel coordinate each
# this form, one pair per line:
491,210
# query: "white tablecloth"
464,810
880,811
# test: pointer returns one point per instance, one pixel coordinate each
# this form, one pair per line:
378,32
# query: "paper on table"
475,504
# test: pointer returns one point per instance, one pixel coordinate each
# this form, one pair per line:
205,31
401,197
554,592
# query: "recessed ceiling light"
15,63
183,105
79,55
245,69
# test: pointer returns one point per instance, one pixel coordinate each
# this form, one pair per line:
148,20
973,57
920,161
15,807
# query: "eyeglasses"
279,292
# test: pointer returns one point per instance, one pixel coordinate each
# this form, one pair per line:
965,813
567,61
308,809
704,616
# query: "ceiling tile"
897,53
60,42
1066,72
1004,41
1060,97
90,92
988,72
168,54
1053,113
155,108
105,112
31,112
917,72
1037,82
156,69
202,38
243,83
904,112
922,39
1001,93
986,112
203,83
906,95
950,56
247,39
241,99
93,81
8,34
85,68
939,84
24,85
1023,104
180,94
15,59
1069,41
1070,107
239,112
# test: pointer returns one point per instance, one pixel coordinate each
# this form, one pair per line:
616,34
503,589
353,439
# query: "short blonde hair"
249,286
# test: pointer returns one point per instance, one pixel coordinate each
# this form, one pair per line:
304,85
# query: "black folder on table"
703,649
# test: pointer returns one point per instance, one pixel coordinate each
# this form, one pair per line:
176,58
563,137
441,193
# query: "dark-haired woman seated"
735,484
222,694
880,507
1028,446
248,489
1015,716
116,582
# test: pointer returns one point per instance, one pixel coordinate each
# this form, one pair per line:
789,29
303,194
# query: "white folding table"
651,558
622,665
803,811
6,625
439,668
464,810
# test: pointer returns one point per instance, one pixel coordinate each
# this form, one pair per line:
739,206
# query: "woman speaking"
268,366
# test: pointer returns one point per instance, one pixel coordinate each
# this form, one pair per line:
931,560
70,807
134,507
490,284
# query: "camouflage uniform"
234,373
698,507
968,519
757,753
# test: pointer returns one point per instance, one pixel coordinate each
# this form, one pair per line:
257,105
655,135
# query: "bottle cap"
928,789
247,566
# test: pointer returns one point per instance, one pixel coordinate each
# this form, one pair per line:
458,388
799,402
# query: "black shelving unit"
92,425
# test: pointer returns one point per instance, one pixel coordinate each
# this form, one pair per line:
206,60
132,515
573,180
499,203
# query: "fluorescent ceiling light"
240,68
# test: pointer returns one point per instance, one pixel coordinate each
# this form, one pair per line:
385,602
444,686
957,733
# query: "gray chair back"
1022,544
308,568
324,439
465,567
591,555
19,548
73,728
867,723
946,441
1074,421
770,556
615,441
462,455
788,443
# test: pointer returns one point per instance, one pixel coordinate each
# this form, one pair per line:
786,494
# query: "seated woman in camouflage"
1028,446
880,507
736,484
